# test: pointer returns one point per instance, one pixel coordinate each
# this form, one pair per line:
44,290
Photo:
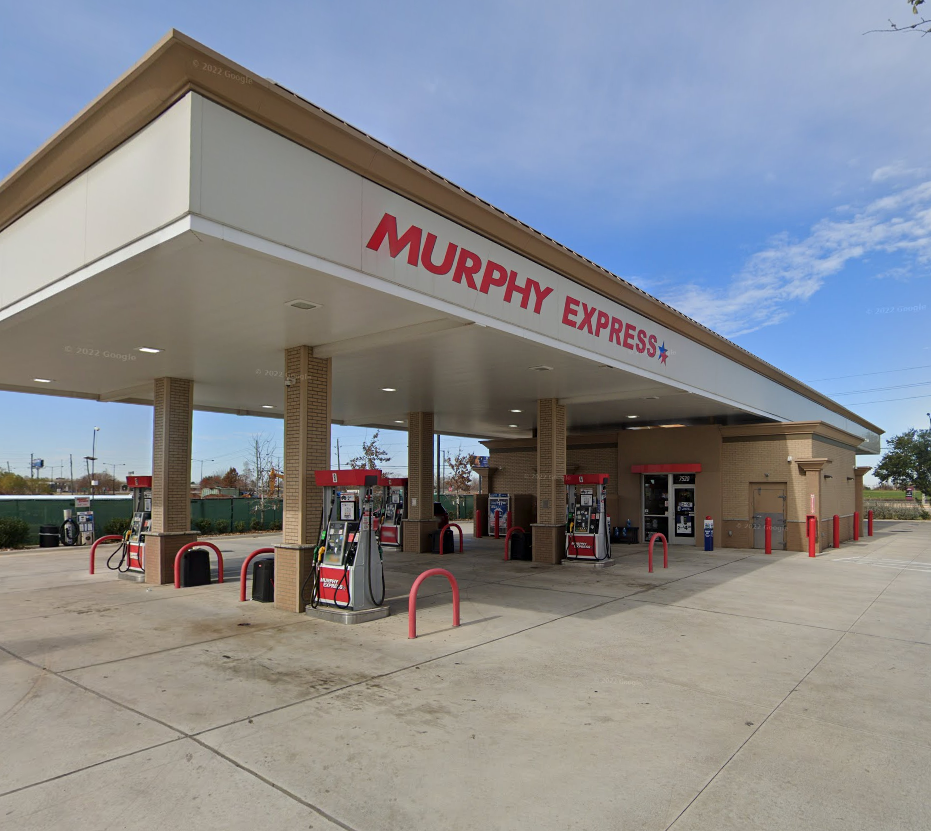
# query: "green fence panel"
459,506
43,511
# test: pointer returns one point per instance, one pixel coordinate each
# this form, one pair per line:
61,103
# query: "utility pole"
438,483
32,467
338,466
70,469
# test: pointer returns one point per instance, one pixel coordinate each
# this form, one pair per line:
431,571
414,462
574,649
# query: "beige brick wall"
838,496
420,465
306,450
551,461
171,455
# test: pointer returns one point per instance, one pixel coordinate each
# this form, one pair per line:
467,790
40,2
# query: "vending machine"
348,573
588,526
393,511
499,503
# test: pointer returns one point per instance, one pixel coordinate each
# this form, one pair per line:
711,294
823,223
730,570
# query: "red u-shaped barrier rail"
412,601
768,535
244,571
869,524
665,551
443,531
107,538
507,540
188,547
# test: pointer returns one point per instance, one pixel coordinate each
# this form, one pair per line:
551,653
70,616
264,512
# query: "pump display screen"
585,498
336,539
347,510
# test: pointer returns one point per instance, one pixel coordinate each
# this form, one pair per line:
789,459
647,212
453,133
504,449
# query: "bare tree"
922,25
459,477
373,456
262,454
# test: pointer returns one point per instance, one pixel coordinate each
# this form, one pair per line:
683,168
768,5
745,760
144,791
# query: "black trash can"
448,546
195,567
48,536
263,580
521,546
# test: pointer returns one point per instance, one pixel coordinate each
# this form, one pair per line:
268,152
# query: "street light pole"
202,467
93,457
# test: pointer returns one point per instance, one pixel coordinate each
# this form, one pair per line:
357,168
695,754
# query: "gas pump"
141,487
393,510
132,550
348,573
588,526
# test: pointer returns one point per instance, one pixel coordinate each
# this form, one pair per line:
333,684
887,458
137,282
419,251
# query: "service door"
769,500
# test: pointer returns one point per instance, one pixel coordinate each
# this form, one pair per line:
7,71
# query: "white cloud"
788,272
896,170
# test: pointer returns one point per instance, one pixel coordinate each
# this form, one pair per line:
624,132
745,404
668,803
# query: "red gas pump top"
135,482
387,482
586,479
348,478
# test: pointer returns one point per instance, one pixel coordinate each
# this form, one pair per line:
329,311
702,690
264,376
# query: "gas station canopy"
196,220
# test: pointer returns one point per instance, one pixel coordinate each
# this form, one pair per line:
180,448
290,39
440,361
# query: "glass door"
683,501
655,505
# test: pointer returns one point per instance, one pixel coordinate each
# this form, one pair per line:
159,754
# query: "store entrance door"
655,505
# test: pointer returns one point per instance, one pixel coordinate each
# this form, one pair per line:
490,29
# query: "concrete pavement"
731,691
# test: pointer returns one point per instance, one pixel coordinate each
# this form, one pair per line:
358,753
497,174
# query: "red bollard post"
497,523
869,523
836,531
768,534
507,521
477,525
812,531
856,526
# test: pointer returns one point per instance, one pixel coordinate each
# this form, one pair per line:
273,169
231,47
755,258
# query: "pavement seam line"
783,701
92,766
274,785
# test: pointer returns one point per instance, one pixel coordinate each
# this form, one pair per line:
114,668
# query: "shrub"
14,532
222,526
240,527
274,526
893,512
204,526
256,524
117,525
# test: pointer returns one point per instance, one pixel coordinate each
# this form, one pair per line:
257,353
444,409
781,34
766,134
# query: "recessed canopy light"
541,368
388,389
516,411
303,305
150,349
396,421
651,398
42,380
632,416
268,406
512,425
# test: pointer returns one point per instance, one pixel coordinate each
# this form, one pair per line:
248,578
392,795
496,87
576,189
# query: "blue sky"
762,167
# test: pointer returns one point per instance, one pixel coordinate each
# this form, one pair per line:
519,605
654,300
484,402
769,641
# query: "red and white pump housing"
588,526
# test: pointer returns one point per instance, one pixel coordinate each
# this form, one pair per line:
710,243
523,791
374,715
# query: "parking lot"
733,690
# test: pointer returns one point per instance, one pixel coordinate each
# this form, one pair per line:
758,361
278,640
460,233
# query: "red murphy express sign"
468,270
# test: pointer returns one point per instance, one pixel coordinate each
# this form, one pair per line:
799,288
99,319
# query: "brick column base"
549,543
292,565
417,535
160,551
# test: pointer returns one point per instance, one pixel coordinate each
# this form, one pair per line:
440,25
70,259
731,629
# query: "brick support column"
812,469
420,521
171,478
549,532
307,416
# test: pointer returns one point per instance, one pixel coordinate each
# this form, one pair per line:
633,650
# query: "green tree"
13,484
907,463
373,456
